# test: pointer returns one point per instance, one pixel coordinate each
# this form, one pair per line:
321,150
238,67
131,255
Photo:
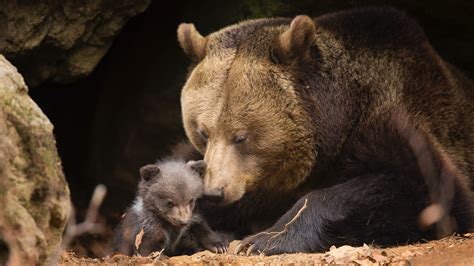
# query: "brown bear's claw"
249,247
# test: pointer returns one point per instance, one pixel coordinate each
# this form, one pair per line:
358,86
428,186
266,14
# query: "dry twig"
89,225
285,228
156,255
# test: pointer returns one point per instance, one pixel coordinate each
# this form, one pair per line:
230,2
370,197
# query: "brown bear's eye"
170,203
240,138
203,135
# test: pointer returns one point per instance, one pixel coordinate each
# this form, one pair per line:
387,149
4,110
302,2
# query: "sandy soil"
454,250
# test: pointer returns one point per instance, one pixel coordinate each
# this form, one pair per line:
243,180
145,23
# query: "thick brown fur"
354,110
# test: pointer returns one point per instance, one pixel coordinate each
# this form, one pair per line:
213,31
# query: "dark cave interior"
127,112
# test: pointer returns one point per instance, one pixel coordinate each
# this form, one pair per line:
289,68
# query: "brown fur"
194,44
285,106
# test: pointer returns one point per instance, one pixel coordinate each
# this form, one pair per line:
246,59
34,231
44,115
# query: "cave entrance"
126,113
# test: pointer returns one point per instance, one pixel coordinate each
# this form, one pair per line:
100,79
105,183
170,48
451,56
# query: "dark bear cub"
163,215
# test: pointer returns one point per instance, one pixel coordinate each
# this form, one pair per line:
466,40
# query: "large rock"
61,40
34,196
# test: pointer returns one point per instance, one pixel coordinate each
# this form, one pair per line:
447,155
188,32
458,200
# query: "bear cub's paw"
216,243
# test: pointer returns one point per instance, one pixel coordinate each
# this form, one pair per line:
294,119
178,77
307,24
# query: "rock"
34,196
61,40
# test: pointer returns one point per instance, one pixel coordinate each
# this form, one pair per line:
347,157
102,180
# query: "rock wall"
34,196
61,40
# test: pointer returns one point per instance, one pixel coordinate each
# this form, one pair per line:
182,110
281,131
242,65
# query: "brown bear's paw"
267,242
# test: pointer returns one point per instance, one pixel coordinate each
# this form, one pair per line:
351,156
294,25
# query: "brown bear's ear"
198,166
297,39
150,171
192,42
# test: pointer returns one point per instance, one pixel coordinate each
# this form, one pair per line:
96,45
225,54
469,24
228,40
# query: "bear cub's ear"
192,42
198,166
297,39
148,172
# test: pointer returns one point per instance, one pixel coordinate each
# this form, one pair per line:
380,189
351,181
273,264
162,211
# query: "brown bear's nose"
215,195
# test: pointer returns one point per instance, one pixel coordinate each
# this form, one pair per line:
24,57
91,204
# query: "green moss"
30,197
265,8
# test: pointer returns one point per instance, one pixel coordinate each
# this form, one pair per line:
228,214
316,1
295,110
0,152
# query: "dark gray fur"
169,180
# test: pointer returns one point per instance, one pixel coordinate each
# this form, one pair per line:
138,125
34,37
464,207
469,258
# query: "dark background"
127,113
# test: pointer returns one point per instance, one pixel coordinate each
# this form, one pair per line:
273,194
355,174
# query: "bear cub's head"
170,189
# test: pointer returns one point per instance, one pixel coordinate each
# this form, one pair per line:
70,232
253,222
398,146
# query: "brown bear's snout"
225,177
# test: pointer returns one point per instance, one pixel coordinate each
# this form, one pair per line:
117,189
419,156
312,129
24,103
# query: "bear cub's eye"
170,203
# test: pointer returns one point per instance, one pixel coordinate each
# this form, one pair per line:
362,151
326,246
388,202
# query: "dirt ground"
454,250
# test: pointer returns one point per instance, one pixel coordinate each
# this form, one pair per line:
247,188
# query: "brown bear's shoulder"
390,28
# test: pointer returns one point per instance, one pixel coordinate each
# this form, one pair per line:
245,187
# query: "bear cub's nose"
182,223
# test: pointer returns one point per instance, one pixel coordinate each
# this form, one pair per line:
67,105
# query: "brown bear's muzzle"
224,180
213,189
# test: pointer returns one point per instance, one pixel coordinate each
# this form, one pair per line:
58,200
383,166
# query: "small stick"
89,225
157,256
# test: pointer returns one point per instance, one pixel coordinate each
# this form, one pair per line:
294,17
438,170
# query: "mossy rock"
34,196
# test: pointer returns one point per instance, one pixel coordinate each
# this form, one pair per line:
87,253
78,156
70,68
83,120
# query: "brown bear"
344,129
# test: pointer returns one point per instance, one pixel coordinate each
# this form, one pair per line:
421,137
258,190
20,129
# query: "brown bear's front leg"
379,209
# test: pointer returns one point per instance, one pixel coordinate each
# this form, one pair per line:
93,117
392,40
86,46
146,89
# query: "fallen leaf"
138,238
348,254
155,254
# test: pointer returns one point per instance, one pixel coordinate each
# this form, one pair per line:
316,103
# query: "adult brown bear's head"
241,108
